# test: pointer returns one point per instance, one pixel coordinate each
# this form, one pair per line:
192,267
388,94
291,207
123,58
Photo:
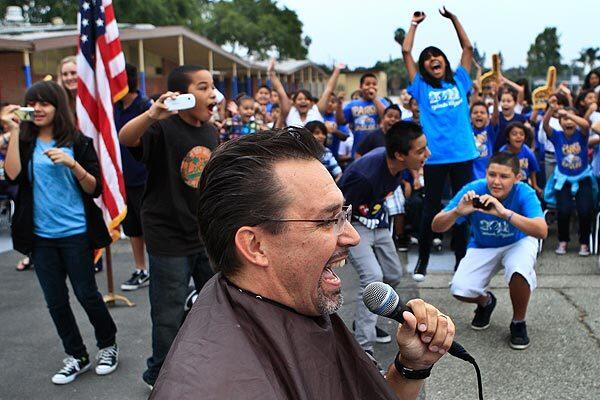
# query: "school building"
30,52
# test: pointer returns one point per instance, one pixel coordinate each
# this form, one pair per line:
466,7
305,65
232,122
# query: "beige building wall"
348,82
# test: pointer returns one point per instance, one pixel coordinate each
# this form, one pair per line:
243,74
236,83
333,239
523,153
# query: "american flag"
102,80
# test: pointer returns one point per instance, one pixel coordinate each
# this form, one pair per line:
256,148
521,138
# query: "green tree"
397,75
259,26
158,12
544,52
589,56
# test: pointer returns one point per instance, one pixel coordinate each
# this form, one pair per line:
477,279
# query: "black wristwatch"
411,373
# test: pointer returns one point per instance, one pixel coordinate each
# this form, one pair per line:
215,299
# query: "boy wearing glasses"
365,185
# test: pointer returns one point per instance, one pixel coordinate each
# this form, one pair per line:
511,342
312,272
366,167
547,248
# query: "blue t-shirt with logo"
491,231
362,117
365,185
334,143
444,116
58,209
484,142
571,152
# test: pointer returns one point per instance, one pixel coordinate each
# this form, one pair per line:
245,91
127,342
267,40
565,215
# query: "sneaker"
71,369
584,250
402,243
518,336
437,244
481,320
139,279
561,248
420,270
381,335
107,360
189,301
414,240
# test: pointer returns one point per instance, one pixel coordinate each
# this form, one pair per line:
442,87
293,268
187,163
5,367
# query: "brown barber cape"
235,345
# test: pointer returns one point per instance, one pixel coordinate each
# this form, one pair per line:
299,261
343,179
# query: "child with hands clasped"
506,219
57,221
572,176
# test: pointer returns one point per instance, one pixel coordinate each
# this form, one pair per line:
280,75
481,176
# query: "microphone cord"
459,352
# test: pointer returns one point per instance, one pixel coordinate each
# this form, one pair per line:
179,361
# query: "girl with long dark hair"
57,221
444,115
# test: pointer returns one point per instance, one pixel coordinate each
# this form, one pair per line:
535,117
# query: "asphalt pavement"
563,361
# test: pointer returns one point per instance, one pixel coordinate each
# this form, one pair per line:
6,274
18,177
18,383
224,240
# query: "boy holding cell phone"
175,145
506,220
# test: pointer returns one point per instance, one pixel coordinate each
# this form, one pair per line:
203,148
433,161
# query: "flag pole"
111,298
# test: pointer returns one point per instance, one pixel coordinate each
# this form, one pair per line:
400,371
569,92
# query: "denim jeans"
169,281
375,260
435,178
72,256
583,204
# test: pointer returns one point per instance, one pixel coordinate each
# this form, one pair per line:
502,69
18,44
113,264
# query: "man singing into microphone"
265,326
506,220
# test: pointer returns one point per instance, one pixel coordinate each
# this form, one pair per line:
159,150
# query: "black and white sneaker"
481,320
402,243
71,369
138,279
381,337
189,301
518,336
107,360
420,270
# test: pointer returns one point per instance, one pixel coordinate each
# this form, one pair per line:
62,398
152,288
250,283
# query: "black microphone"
381,299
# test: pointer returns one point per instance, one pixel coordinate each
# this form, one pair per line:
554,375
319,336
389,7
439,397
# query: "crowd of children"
464,128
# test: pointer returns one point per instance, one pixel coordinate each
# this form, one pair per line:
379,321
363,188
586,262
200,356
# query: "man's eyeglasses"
338,221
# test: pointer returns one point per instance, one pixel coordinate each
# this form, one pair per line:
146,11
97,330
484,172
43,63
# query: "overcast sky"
360,32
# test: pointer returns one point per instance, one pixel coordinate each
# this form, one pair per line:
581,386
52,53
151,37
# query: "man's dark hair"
132,79
433,51
480,103
179,79
239,188
365,76
393,107
508,159
399,137
263,87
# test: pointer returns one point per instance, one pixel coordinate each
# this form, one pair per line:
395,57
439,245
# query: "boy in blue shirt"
506,220
363,114
485,132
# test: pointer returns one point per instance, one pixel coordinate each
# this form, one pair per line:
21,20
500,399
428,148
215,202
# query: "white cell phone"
181,102
24,113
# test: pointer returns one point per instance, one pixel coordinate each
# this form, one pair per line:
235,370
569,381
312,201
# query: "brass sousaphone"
540,95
